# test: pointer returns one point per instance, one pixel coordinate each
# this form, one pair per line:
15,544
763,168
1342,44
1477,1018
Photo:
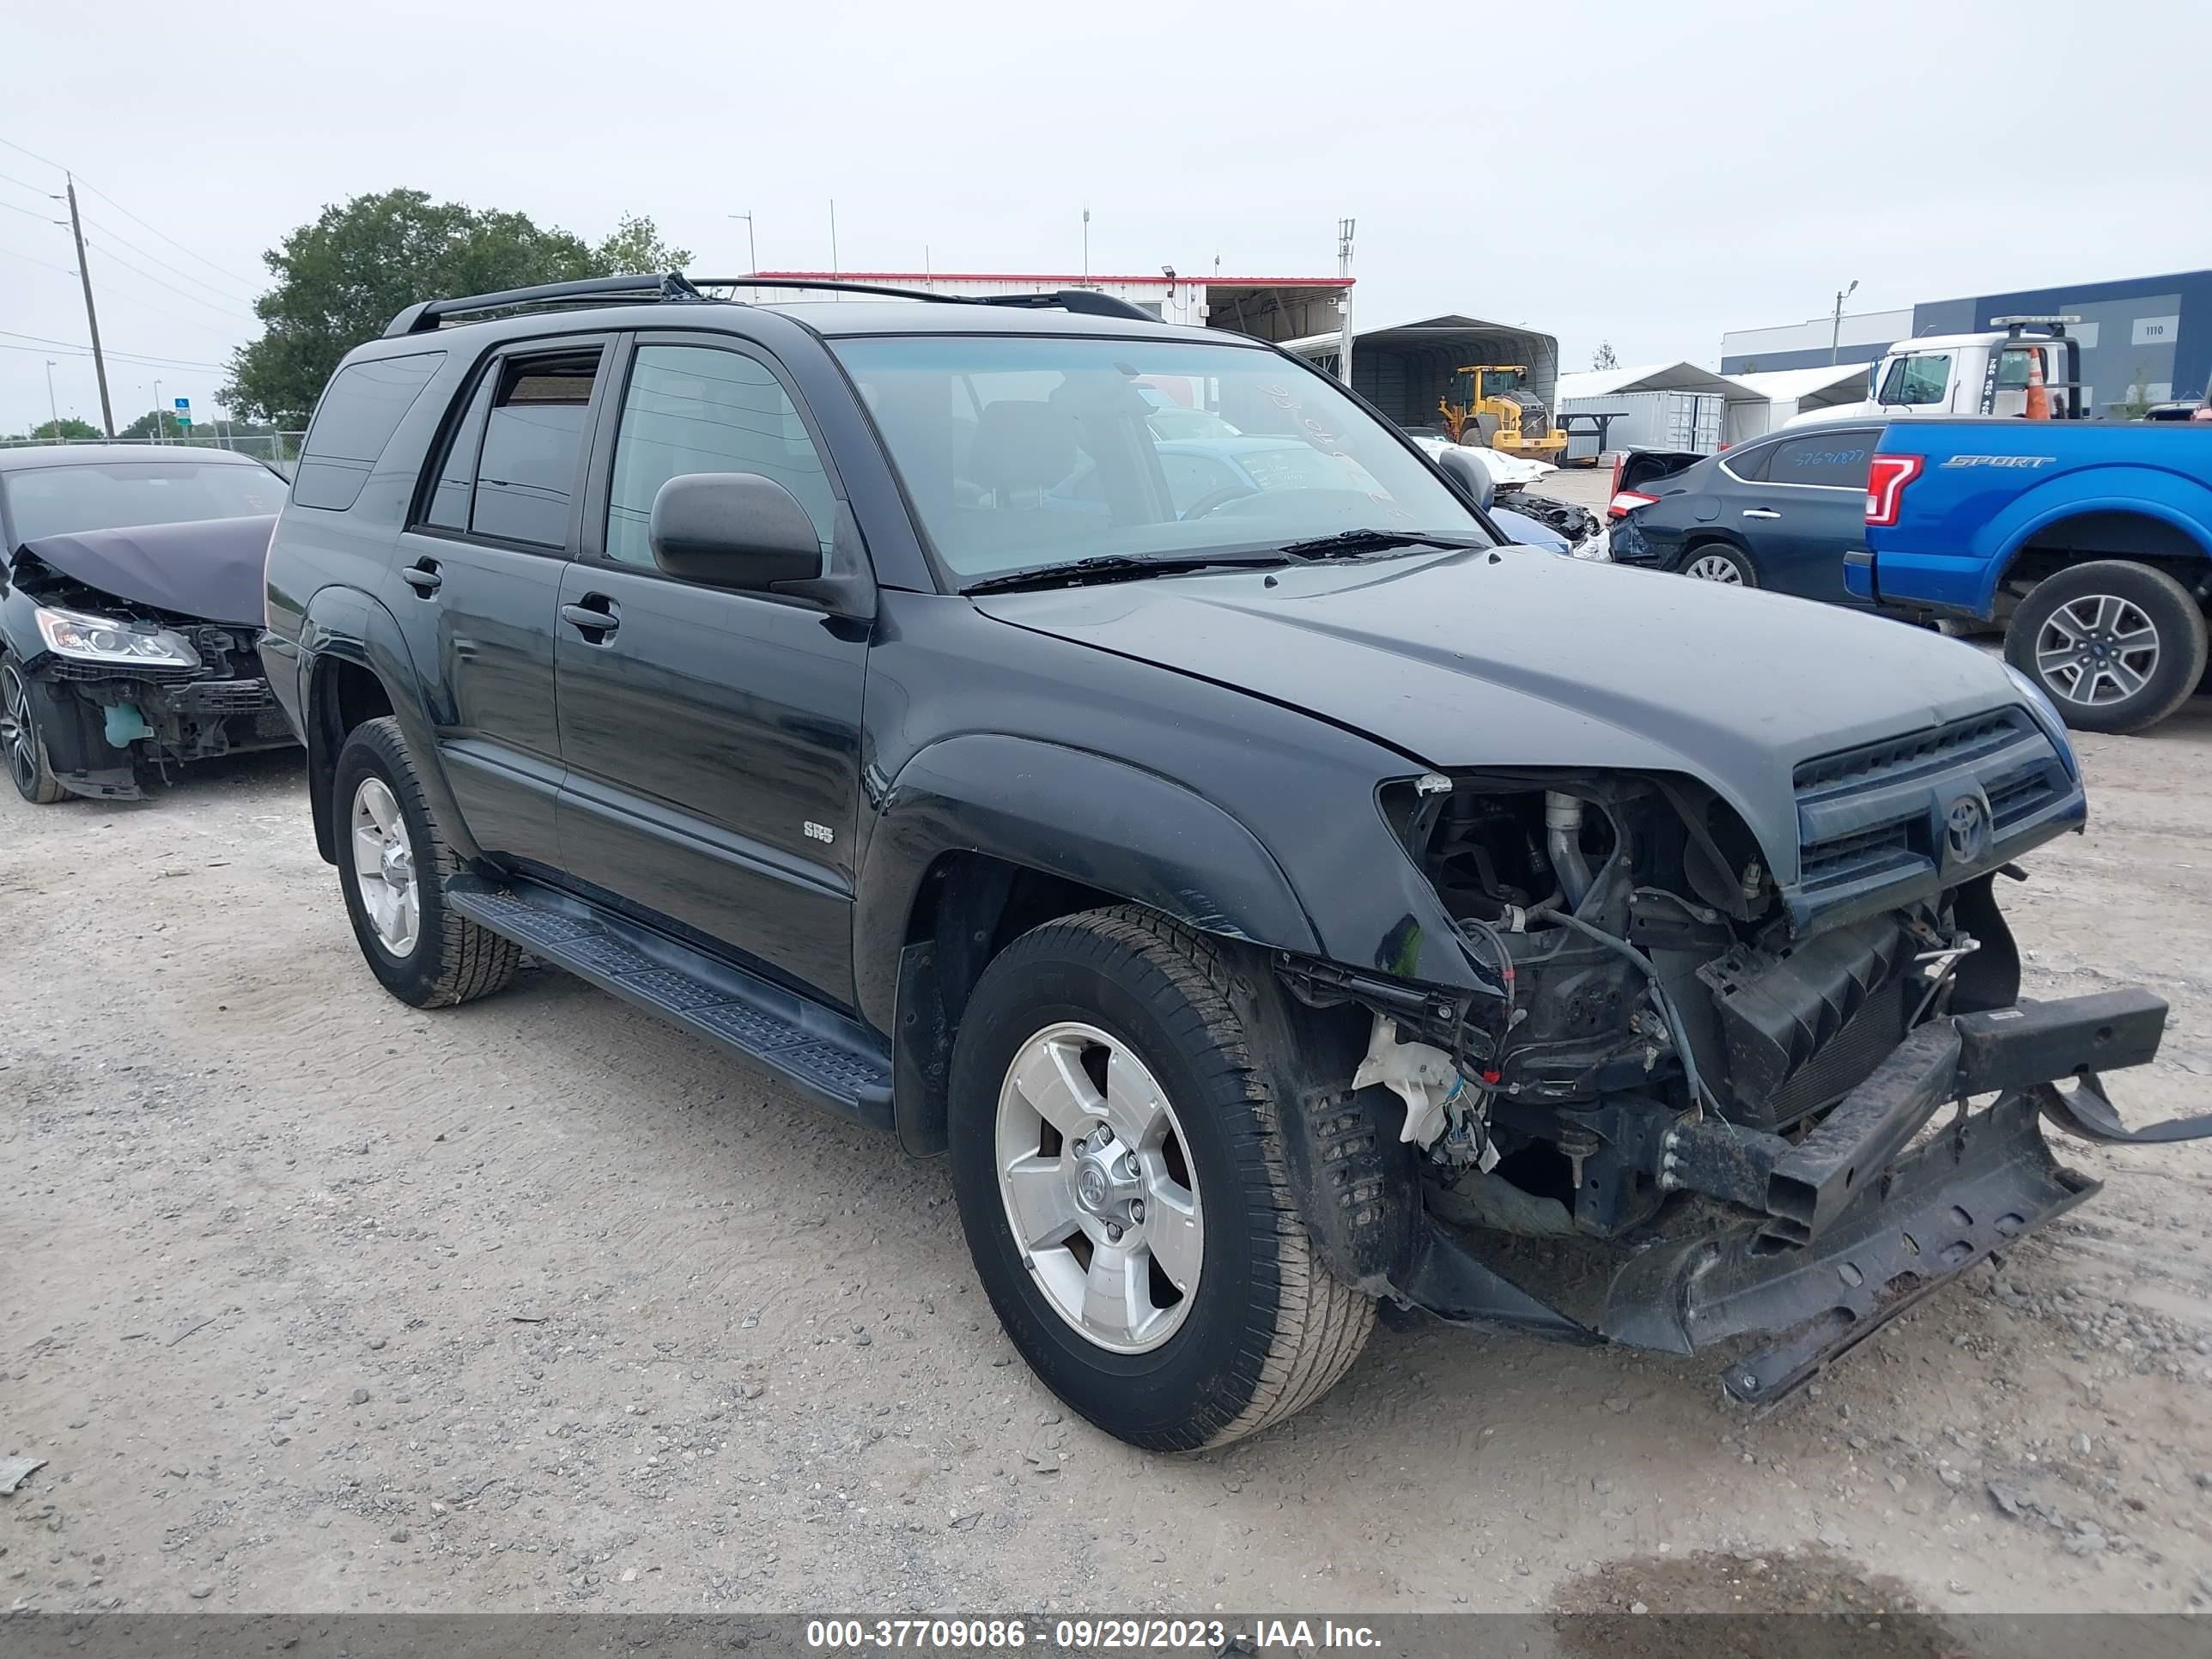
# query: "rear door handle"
595,618
1760,513
422,576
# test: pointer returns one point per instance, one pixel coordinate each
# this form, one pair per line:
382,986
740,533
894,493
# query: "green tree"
341,279
1603,357
70,427
153,423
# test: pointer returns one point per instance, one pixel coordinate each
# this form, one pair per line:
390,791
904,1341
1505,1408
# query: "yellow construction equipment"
1490,404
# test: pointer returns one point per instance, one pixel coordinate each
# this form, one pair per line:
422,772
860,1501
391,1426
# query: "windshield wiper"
1350,543
1108,566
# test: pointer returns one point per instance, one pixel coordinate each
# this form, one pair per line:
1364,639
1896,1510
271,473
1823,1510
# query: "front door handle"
422,576
595,618
1760,513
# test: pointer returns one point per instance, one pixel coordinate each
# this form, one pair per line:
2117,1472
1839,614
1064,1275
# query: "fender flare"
2144,492
1069,813
343,624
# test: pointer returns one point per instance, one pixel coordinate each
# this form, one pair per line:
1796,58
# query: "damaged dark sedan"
129,605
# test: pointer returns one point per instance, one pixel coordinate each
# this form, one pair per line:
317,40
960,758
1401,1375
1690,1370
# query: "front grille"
1887,850
224,697
1877,814
1934,749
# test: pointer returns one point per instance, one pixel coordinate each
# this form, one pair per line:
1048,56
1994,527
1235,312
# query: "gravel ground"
314,1302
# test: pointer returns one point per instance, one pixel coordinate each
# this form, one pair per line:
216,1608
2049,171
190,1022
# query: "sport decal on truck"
2000,460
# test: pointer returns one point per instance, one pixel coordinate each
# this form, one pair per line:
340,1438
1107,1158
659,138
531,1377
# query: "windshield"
59,501
1020,451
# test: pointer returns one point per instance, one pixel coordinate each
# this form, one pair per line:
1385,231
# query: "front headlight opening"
85,638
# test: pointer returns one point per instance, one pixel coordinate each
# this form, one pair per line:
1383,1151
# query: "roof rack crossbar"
426,315
1089,301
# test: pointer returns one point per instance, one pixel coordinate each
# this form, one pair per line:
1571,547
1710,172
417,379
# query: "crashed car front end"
115,688
1702,1091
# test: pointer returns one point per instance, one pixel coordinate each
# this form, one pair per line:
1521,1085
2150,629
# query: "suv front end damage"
1700,1095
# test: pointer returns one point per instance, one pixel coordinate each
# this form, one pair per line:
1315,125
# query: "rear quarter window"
1836,460
361,408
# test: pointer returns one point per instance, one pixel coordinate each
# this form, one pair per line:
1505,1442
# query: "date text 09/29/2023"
1086,1635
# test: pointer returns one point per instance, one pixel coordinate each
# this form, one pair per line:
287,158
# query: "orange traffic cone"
2038,400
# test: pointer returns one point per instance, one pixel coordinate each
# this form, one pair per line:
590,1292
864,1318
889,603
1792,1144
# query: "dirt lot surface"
315,1302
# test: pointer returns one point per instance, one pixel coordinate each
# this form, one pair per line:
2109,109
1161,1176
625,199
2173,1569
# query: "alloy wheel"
19,736
384,867
1715,567
2097,649
1098,1188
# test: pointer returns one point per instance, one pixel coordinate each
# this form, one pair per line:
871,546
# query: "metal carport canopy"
1406,368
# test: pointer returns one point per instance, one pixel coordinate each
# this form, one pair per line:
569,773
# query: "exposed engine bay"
114,687
1681,1110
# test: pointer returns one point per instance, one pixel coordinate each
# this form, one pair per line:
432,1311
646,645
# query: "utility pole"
833,236
1836,333
1086,244
160,426
1344,229
91,316
752,253
53,408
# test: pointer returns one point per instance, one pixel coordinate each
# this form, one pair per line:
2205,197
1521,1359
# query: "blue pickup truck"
2089,541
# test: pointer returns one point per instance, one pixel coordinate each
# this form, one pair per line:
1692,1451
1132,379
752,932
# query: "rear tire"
23,745
1716,561
2116,646
1095,1012
424,952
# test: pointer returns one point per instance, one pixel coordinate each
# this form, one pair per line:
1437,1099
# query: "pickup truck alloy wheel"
1119,1161
1096,1186
2118,646
2097,649
19,740
384,867
392,866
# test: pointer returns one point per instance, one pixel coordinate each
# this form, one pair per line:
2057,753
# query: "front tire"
2116,646
22,744
392,866
1105,1100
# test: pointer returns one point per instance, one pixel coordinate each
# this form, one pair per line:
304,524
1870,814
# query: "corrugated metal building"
1660,405
1406,369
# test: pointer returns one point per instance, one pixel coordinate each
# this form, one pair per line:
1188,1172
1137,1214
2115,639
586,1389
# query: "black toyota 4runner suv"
1278,896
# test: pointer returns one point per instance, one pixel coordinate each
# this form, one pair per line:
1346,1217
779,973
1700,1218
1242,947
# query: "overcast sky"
1646,173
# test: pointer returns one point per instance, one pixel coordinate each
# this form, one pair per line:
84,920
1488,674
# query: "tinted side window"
533,448
361,408
1749,464
699,408
1836,459
455,491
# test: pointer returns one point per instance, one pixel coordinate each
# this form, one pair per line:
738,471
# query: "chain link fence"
279,449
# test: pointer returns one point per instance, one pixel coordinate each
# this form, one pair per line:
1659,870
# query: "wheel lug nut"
1137,1211
1112,1232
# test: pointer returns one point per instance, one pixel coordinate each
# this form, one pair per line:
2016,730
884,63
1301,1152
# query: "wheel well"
2115,534
969,907
341,695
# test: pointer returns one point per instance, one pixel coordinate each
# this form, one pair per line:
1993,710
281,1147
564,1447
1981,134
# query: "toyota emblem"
1966,829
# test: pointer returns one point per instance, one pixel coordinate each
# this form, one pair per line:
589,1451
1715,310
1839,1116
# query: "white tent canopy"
1788,392
1648,377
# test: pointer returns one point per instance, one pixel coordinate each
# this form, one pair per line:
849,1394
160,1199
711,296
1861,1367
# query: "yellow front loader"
1489,404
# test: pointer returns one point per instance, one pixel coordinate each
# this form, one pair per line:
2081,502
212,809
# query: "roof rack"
427,315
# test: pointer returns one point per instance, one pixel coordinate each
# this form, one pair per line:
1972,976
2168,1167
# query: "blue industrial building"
2145,338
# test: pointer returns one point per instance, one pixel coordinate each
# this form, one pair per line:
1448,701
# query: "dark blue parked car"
1779,512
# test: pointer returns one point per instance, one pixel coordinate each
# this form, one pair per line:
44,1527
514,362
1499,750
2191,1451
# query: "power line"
34,154
28,259
11,178
170,286
198,282
32,212
163,234
41,342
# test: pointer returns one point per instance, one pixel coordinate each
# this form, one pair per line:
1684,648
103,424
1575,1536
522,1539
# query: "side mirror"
733,530
1471,475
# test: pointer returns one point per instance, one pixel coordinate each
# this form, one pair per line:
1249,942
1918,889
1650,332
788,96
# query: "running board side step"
826,1056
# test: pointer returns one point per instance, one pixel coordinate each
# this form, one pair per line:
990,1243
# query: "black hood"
1522,659
210,568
